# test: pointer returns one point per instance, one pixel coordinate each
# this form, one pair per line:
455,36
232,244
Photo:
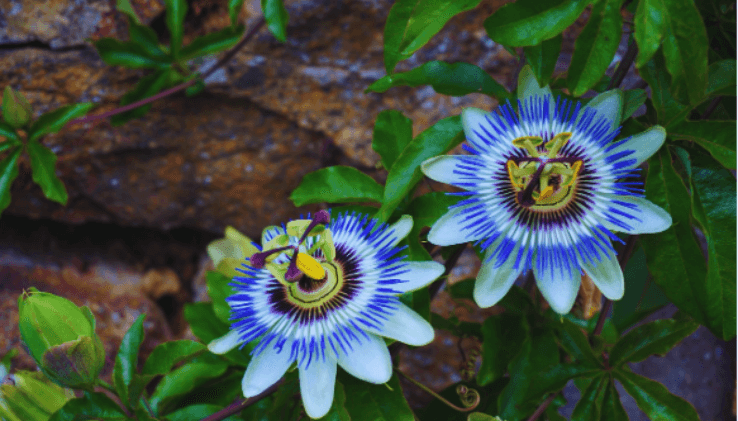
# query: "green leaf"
543,57
176,11
219,290
676,25
589,406
642,297
17,111
43,167
91,406
668,110
8,132
717,137
198,412
234,8
128,54
654,399
166,355
146,38
721,78
337,184
412,23
576,344
127,358
426,210
503,337
126,7
674,256
186,379
8,173
419,301
392,132
480,416
595,46
375,402
455,79
612,408
632,101
276,17
146,87
53,121
337,412
712,191
405,173
530,22
213,42
657,337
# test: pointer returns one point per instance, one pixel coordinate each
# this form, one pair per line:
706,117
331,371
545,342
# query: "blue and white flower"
319,294
545,188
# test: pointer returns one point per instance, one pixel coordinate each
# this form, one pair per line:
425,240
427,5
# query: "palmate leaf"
412,23
654,399
657,337
530,22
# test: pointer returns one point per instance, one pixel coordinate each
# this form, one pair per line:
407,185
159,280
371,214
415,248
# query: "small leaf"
176,11
146,87
717,137
127,358
530,22
503,336
595,46
167,354
392,132
146,38
543,57
337,184
213,42
128,54
9,133
43,167
654,399
721,78
412,23
370,402
186,379
17,111
8,173
276,17
234,8
612,408
53,121
657,337
405,173
91,406
219,290
126,7
455,79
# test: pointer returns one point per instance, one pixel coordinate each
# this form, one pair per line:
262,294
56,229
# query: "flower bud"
31,397
61,338
16,110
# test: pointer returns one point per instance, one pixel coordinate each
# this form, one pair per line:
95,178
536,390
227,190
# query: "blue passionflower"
320,293
545,188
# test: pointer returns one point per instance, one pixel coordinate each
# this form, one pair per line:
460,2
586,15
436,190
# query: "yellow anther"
309,266
528,143
546,193
554,145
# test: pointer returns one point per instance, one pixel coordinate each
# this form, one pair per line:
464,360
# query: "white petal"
420,275
444,169
528,86
642,145
471,120
644,216
317,384
264,370
493,283
406,326
369,360
225,343
606,274
451,229
401,228
609,105
558,278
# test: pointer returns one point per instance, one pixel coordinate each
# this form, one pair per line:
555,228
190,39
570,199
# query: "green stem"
439,397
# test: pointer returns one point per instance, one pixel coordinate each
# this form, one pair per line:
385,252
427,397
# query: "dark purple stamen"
258,260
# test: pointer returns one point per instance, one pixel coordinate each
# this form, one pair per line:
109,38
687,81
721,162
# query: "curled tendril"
469,397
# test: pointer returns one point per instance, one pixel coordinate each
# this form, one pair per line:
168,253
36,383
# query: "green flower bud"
16,110
61,338
32,397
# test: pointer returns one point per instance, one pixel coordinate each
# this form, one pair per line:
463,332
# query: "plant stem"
437,396
449,265
711,107
622,70
542,408
182,86
237,407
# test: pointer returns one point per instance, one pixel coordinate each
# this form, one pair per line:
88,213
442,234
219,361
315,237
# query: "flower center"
543,181
312,293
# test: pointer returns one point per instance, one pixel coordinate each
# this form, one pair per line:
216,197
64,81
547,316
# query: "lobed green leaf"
590,404
612,408
412,23
657,337
43,168
654,399
337,184
530,22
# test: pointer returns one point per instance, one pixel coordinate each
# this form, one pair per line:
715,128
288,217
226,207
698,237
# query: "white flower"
323,297
545,188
